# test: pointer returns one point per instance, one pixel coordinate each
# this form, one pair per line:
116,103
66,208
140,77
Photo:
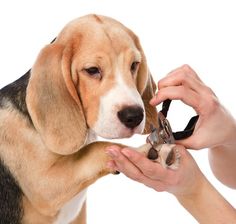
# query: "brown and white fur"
50,117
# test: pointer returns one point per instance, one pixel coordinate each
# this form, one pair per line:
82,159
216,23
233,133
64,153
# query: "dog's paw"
165,154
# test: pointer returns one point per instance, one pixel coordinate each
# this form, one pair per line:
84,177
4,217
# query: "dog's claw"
152,154
171,158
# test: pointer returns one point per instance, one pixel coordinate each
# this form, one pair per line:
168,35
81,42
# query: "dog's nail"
170,158
111,165
152,154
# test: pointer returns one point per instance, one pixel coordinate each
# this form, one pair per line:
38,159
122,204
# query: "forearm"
222,161
207,206
222,158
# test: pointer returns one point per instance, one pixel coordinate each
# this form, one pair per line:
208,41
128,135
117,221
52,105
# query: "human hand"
186,180
215,126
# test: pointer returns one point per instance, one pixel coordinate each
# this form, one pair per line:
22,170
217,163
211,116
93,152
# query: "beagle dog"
92,80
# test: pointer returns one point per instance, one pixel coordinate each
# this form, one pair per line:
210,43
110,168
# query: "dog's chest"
92,137
71,209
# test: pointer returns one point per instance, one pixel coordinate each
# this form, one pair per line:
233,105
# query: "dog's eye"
93,71
134,66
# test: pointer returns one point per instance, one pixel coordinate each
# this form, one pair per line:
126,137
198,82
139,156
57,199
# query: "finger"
185,69
135,174
149,168
188,143
193,142
182,93
122,164
181,77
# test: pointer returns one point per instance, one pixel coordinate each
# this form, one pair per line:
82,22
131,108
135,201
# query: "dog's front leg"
69,175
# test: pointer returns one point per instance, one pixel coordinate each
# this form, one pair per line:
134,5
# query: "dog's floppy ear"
151,112
53,101
147,88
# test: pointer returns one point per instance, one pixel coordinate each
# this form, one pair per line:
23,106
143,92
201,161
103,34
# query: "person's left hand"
186,180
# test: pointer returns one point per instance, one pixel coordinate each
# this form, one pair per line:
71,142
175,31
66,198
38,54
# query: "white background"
172,33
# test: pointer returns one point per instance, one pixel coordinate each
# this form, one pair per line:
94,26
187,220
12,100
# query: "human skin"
216,127
187,183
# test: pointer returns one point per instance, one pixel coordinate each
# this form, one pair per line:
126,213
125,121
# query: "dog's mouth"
126,133
117,130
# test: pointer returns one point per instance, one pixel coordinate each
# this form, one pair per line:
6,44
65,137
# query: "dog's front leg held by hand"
83,169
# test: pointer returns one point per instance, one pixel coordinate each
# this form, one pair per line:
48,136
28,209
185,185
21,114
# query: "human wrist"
228,136
196,202
225,130
193,191
229,130
208,211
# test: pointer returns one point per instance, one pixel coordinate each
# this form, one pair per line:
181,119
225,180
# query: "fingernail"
151,101
154,101
112,152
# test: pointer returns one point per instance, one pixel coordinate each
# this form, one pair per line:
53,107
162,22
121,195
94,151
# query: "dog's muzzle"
131,116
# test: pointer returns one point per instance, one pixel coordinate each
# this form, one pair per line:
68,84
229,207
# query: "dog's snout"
131,116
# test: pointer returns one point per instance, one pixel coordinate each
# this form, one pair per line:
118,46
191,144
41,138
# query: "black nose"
131,116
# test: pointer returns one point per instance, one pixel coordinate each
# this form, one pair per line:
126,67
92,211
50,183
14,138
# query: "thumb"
188,143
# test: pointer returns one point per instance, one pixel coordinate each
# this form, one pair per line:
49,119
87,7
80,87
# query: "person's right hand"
215,126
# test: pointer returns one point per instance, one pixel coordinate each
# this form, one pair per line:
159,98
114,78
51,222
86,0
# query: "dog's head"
94,75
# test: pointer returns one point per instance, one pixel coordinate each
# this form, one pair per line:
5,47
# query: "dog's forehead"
95,30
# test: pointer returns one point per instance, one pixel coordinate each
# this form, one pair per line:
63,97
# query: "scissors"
164,134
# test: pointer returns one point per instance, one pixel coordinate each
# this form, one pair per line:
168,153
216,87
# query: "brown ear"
53,101
151,112
147,88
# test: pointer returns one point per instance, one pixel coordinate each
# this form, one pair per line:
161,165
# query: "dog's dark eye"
93,71
134,66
